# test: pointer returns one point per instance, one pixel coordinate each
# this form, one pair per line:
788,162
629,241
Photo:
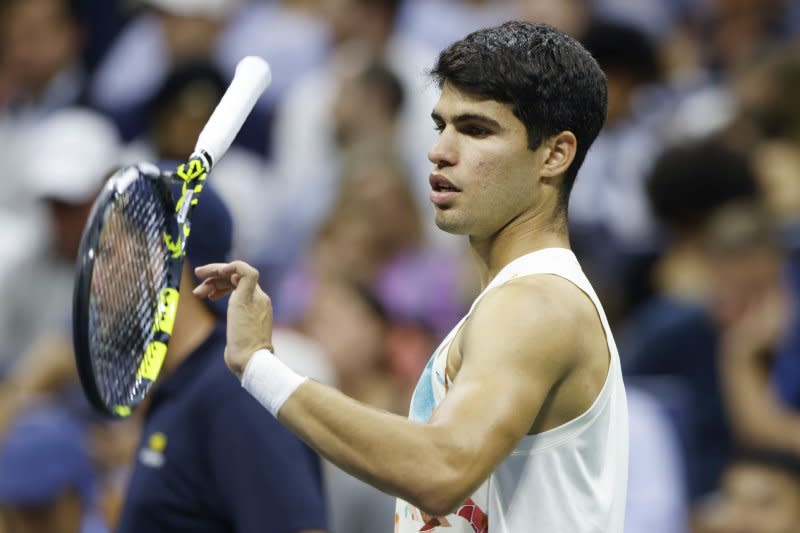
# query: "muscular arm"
513,353
517,344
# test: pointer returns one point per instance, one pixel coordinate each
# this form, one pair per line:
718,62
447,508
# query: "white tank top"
570,479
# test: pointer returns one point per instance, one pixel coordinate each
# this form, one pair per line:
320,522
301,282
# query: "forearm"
400,457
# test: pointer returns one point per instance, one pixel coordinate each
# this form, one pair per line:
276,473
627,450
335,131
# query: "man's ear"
560,154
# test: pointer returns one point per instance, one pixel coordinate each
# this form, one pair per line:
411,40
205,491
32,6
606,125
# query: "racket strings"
130,266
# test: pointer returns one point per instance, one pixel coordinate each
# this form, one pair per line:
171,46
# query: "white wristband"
269,380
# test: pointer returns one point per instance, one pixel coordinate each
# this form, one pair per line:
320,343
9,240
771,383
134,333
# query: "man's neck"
523,235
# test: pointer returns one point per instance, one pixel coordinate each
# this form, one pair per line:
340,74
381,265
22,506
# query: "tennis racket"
131,257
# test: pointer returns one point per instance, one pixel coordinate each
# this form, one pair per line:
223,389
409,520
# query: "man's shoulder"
539,301
536,320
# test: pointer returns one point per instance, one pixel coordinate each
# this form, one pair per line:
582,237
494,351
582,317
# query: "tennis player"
519,421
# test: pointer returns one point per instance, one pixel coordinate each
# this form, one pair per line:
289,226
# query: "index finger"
211,270
245,275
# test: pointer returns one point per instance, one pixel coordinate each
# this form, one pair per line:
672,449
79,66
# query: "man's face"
482,151
39,40
760,500
179,124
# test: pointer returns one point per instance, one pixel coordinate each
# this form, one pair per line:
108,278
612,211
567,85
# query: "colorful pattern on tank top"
431,389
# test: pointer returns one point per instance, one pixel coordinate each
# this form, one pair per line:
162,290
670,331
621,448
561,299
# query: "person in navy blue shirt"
198,468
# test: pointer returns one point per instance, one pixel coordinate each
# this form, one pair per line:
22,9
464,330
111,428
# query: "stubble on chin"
449,222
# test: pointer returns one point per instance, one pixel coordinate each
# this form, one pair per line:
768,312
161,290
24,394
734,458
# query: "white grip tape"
270,381
251,78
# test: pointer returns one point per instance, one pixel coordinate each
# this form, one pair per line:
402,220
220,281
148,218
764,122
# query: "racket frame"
192,176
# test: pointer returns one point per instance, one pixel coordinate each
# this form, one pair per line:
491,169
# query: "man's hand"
249,309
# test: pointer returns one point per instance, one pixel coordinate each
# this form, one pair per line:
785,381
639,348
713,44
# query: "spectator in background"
197,468
760,494
422,19
373,218
657,501
169,32
40,43
760,355
221,32
40,46
674,336
101,22
655,17
176,114
47,482
366,113
687,184
738,30
425,290
292,37
66,159
717,42
611,224
167,35
350,324
569,16
367,106
362,31
768,124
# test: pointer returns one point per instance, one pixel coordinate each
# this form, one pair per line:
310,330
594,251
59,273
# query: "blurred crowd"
685,216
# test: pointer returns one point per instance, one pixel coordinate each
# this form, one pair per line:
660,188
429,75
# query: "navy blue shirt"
212,459
676,340
786,367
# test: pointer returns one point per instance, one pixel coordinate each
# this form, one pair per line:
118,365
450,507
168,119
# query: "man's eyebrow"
469,117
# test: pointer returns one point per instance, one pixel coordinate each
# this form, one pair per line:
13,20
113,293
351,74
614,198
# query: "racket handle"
251,78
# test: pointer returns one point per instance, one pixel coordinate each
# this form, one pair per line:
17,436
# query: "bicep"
510,363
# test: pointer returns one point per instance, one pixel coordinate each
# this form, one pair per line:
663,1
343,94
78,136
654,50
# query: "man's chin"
448,225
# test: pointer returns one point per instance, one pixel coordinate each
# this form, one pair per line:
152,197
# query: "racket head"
126,289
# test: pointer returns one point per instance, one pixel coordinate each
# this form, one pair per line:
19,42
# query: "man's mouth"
441,184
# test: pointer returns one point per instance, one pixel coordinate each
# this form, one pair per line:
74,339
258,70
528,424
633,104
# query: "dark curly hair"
550,81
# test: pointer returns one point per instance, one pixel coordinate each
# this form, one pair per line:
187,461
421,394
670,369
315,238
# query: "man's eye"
438,127
475,131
